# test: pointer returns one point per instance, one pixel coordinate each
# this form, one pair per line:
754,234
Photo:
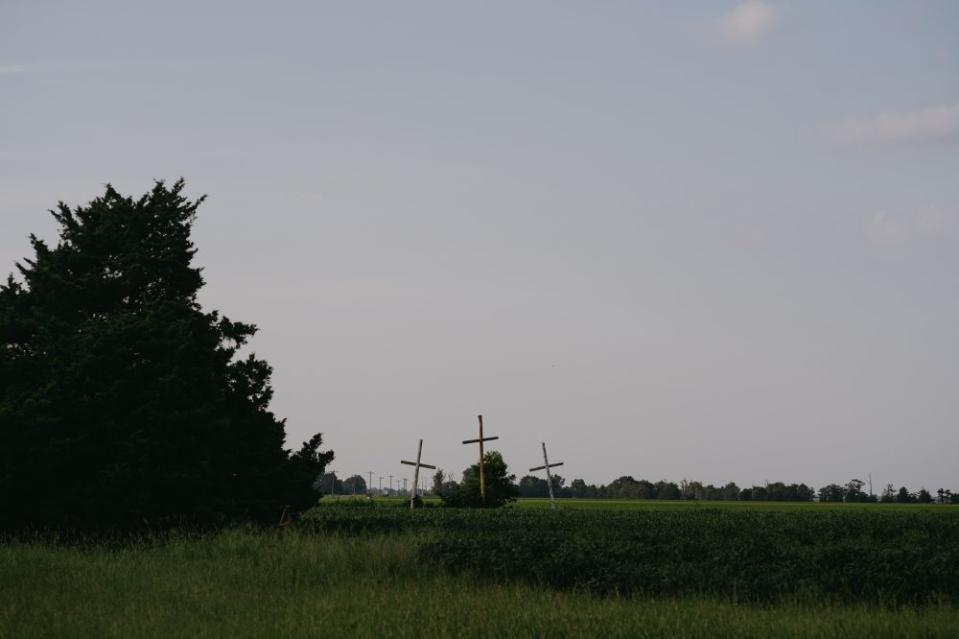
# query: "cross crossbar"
476,441
421,465
543,467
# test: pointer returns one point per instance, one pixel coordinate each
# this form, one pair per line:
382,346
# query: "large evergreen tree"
121,401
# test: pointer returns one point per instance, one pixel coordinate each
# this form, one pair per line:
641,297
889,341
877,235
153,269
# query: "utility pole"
381,486
391,485
416,473
369,485
480,441
549,477
333,482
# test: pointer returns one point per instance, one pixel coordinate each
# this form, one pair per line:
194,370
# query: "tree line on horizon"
626,487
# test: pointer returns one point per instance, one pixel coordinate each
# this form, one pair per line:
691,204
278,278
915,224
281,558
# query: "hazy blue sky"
708,240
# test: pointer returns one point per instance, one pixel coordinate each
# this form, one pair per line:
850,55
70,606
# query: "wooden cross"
549,476
480,442
416,473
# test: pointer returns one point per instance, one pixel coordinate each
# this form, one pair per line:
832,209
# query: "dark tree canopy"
121,401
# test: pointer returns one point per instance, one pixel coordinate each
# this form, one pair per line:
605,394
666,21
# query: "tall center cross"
416,473
549,476
480,442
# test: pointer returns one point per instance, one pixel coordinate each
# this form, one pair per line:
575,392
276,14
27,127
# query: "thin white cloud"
746,23
891,231
930,123
10,69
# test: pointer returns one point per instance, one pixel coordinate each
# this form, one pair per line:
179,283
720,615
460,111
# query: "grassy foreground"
246,583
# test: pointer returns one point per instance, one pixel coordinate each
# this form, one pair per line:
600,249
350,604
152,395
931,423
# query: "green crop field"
248,583
352,568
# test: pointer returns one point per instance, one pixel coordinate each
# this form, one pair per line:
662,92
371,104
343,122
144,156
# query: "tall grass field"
382,571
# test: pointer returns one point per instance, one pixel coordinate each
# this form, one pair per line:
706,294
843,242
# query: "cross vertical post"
480,441
481,464
549,476
416,473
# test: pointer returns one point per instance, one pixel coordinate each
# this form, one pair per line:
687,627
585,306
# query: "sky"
707,240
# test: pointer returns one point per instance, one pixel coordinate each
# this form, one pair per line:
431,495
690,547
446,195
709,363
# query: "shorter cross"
549,476
480,442
416,473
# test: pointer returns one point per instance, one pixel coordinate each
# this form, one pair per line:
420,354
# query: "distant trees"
121,401
667,490
354,485
500,486
626,487
832,492
946,496
533,486
328,484
579,488
731,491
778,491
855,494
888,494
852,493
